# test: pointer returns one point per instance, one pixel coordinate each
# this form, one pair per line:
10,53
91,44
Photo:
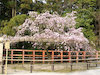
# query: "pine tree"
97,21
25,6
11,4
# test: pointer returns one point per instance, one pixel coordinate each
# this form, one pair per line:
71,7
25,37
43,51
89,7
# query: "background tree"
25,6
39,6
97,22
87,13
9,28
11,4
5,12
86,18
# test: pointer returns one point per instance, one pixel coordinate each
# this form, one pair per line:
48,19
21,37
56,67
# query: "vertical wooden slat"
23,56
69,56
77,53
33,56
84,55
61,56
52,56
11,56
96,54
31,68
96,57
43,56
52,66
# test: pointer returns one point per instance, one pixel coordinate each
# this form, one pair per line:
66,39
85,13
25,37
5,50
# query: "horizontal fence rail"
90,59
53,66
42,55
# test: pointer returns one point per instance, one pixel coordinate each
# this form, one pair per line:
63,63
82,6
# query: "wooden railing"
15,54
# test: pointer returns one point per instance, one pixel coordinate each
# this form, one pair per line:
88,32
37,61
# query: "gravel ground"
25,70
88,72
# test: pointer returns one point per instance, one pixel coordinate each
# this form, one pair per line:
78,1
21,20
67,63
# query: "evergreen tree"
86,18
39,6
25,6
11,4
4,11
9,27
97,21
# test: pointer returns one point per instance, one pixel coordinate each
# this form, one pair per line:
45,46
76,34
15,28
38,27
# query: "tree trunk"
14,9
12,12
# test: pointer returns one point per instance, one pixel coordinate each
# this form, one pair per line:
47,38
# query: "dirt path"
60,69
88,72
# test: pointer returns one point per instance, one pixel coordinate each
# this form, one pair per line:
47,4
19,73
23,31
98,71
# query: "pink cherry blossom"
49,28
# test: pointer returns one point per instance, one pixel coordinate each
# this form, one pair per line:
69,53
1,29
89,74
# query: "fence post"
43,56
71,66
96,54
61,56
96,62
33,56
3,66
23,56
87,65
52,67
96,58
52,56
11,56
69,55
31,68
84,54
77,53
2,69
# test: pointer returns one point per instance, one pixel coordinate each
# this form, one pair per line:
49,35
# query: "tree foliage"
15,21
51,29
87,14
85,20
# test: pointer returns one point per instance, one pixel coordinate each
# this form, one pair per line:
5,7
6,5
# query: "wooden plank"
54,60
65,55
23,57
11,56
43,53
97,54
77,53
89,55
69,54
16,55
38,55
28,54
16,50
50,50
52,56
61,56
38,50
84,54
28,50
33,56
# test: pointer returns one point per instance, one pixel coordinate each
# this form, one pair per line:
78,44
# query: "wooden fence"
15,54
